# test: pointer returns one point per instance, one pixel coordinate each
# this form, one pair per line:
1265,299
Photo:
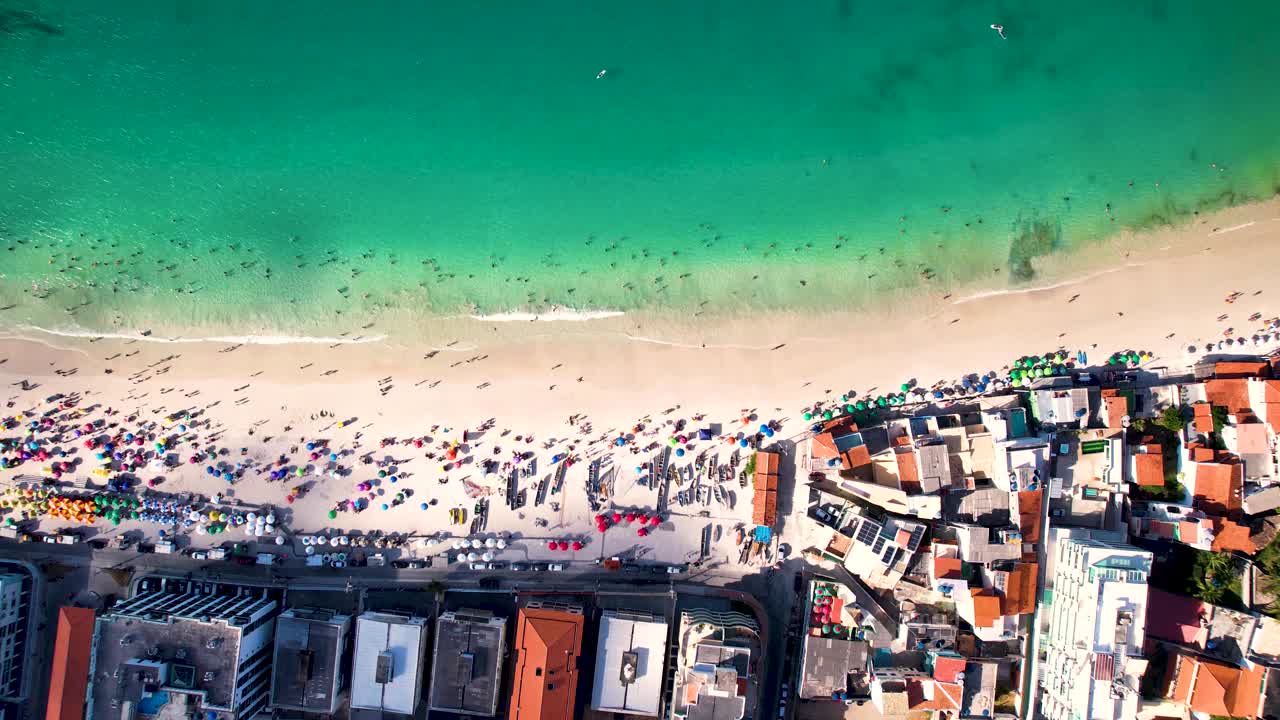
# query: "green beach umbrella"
808,415
333,514
906,387
826,415
880,401
861,405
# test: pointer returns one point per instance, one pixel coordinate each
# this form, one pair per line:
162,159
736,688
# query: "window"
537,672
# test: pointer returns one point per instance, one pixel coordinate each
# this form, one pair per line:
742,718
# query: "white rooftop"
387,670
621,634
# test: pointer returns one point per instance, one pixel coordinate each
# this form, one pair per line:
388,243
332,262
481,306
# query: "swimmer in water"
999,30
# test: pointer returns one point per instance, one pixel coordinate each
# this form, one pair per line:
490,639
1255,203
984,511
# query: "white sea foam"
552,316
1039,288
218,339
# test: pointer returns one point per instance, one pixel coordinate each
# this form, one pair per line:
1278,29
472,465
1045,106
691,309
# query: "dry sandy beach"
1160,292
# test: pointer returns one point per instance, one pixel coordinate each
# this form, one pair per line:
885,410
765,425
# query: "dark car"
538,567
98,544
401,564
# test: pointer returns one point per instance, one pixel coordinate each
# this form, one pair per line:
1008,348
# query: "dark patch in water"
16,22
1033,239
1194,155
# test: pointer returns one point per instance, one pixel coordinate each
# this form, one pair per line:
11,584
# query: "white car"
479,566
557,567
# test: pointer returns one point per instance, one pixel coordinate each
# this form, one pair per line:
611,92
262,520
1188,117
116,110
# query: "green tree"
1171,419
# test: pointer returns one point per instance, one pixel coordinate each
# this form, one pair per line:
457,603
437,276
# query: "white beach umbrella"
271,518
487,557
473,556
457,544
310,550
200,530
477,544
279,539
490,543
502,544
252,516
257,532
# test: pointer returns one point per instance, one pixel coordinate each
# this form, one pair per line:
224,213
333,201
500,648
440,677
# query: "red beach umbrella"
577,545
655,521
551,544
617,517
642,532
631,517
564,545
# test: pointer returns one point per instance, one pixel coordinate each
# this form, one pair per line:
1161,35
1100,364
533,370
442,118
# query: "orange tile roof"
1229,536
947,669
1189,531
1179,677
1149,469
1230,394
855,457
548,643
928,694
1221,689
844,422
69,679
824,446
986,607
1020,590
767,463
1219,488
1029,506
1203,420
1271,391
948,568
908,472
1117,406
1239,369
1201,452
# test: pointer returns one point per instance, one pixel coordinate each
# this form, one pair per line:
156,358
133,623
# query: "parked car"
538,567
479,566
555,567
97,544
519,567
199,555
675,569
497,566
400,564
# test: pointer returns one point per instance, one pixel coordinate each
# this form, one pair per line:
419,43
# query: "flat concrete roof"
629,659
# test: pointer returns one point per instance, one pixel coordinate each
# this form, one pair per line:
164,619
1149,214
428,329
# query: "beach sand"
1160,292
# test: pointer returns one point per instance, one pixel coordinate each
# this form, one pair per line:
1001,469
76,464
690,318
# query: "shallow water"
293,167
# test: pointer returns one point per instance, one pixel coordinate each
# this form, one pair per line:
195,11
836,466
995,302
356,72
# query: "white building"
629,659
386,673
14,599
1098,610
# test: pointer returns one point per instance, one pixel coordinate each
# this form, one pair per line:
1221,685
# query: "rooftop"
69,678
828,662
308,650
548,643
467,664
1218,487
387,669
629,660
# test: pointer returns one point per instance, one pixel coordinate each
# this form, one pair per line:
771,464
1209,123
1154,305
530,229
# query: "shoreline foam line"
219,339
1041,288
553,316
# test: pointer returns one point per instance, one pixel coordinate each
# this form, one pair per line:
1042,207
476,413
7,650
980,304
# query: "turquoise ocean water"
295,166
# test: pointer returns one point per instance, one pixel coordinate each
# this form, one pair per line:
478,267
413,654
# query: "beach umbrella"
860,405
477,543
563,545
743,442
827,415
279,539
807,416
642,532
577,545
551,544
487,557
906,387
473,556
679,452
490,543
769,432
655,521
333,514
617,517
502,544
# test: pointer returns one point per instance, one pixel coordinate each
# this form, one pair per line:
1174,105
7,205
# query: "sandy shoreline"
1160,292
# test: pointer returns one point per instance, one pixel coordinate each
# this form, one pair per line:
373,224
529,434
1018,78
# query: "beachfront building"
835,652
877,550
715,672
15,606
387,669
1057,403
630,654
69,675
164,654
764,500
307,674
1094,645
548,644
467,663
1215,479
